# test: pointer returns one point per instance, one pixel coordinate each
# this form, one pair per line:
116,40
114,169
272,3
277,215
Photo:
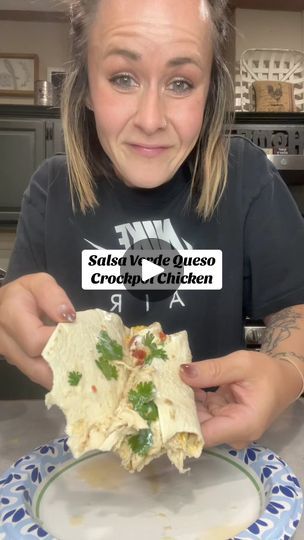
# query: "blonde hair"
87,160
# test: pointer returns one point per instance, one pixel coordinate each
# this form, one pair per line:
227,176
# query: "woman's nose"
150,115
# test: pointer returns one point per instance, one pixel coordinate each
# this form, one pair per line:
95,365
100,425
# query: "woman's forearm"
284,339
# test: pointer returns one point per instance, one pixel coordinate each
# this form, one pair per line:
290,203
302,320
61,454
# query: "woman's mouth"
148,151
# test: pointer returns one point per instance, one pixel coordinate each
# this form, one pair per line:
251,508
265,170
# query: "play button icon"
151,265
150,270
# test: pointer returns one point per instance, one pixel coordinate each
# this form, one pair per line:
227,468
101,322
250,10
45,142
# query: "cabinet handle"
49,133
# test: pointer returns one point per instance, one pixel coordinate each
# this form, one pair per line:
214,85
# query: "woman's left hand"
254,388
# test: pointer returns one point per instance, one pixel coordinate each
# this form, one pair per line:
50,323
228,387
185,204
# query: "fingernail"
189,370
66,313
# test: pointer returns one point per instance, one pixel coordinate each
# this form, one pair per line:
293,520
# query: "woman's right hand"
25,305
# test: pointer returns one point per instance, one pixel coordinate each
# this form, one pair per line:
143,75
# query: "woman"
144,109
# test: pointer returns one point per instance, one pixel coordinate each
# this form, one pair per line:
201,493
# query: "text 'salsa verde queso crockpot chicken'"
120,389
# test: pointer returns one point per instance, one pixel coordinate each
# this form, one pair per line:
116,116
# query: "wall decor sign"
18,73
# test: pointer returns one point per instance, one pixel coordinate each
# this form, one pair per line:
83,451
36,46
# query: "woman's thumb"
208,373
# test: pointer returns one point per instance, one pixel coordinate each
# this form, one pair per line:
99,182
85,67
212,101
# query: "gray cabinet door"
54,138
58,137
22,150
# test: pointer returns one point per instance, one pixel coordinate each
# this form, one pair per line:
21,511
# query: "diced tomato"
162,336
94,389
140,355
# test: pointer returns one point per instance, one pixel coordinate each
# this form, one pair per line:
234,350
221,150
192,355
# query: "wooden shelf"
269,118
28,111
272,5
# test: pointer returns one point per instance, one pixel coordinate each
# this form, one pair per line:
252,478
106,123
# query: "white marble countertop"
27,424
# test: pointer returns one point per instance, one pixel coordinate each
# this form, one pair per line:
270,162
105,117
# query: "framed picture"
18,73
56,76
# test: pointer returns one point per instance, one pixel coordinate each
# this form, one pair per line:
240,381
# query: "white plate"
227,494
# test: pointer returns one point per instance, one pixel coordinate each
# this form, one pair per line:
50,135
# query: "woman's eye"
180,86
123,81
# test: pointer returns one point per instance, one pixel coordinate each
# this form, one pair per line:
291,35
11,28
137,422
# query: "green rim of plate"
251,475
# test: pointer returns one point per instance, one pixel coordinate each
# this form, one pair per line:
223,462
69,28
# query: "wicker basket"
284,65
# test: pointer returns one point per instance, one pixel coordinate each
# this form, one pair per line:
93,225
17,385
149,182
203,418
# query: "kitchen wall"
269,29
49,40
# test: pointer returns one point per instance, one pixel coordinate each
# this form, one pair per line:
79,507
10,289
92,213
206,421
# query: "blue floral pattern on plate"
283,494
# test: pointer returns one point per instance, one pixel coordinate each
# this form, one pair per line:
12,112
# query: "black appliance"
282,138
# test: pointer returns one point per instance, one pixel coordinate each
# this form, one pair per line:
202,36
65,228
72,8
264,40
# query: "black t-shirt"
256,225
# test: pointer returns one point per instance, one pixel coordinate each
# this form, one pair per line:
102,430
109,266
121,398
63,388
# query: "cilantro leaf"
141,442
74,378
108,348
149,411
142,401
148,339
145,391
107,368
155,351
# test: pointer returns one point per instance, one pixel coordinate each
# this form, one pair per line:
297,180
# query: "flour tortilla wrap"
177,430
99,412
89,406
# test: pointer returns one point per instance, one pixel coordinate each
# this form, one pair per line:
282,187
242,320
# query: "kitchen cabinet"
28,135
22,149
30,141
